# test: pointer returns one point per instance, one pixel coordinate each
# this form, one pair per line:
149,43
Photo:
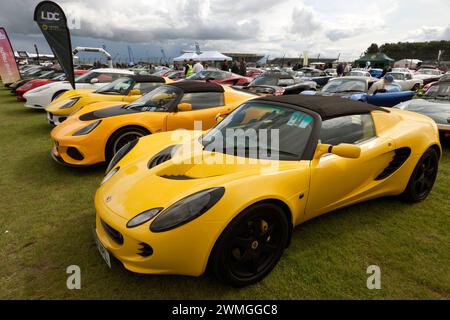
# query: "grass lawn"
47,218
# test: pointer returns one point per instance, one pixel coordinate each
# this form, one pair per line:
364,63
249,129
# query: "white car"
359,73
40,97
426,74
402,70
406,81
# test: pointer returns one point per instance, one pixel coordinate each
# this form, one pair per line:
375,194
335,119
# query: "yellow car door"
202,107
338,181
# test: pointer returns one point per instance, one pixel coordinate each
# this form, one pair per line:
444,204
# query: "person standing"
224,65
340,70
347,69
189,69
235,67
197,67
185,67
243,68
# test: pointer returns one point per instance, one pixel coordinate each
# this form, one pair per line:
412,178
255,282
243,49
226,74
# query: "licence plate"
103,251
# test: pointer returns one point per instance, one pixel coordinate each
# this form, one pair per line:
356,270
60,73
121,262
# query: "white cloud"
270,27
427,33
304,22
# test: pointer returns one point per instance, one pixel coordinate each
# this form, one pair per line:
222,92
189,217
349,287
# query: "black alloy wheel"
251,246
423,177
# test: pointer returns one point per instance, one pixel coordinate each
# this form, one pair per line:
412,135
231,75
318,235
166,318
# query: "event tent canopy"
213,56
376,60
186,56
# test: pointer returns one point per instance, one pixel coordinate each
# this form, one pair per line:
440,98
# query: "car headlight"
27,86
87,129
143,217
70,103
109,175
187,209
120,154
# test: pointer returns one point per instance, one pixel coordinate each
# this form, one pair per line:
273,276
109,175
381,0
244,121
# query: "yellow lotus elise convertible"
96,132
229,198
126,89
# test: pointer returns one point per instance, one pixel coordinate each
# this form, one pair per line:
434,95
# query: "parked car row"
160,191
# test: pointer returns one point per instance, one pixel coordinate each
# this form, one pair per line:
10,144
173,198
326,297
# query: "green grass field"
47,218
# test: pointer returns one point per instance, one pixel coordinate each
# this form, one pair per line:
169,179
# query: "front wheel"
251,245
120,138
423,177
415,87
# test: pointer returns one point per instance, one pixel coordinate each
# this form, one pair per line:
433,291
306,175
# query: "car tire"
415,87
251,245
57,94
120,138
423,177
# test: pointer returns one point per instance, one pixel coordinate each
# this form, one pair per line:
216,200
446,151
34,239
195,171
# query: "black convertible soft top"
326,107
147,78
278,75
190,86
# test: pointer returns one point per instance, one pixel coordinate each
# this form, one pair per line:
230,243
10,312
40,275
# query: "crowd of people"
192,66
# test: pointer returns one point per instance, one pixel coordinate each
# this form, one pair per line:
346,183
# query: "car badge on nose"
108,199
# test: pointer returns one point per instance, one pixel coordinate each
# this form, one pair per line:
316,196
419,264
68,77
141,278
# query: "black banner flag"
53,23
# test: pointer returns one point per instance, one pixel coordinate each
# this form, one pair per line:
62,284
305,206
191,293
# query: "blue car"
376,73
356,88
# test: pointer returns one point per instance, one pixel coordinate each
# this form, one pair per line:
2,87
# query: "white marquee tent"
213,56
186,56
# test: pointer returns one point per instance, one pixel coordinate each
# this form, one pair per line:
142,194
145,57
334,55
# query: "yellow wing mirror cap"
184,107
134,92
219,118
343,150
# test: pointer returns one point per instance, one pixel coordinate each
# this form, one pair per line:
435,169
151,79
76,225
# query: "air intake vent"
112,233
401,155
177,177
161,157
144,250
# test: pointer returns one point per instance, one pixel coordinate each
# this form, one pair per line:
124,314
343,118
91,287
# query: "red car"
40,82
221,77
254,72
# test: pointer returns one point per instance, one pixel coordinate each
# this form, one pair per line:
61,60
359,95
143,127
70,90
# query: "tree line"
426,51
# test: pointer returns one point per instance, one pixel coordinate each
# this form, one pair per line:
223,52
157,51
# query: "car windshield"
345,85
175,75
357,74
45,74
430,72
310,73
440,91
260,130
160,99
59,77
102,77
160,73
120,86
209,74
397,76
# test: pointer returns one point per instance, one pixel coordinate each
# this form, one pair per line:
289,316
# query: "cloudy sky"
271,27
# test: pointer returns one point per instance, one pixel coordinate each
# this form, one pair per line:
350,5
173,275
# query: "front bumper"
183,251
73,154
54,119
32,106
